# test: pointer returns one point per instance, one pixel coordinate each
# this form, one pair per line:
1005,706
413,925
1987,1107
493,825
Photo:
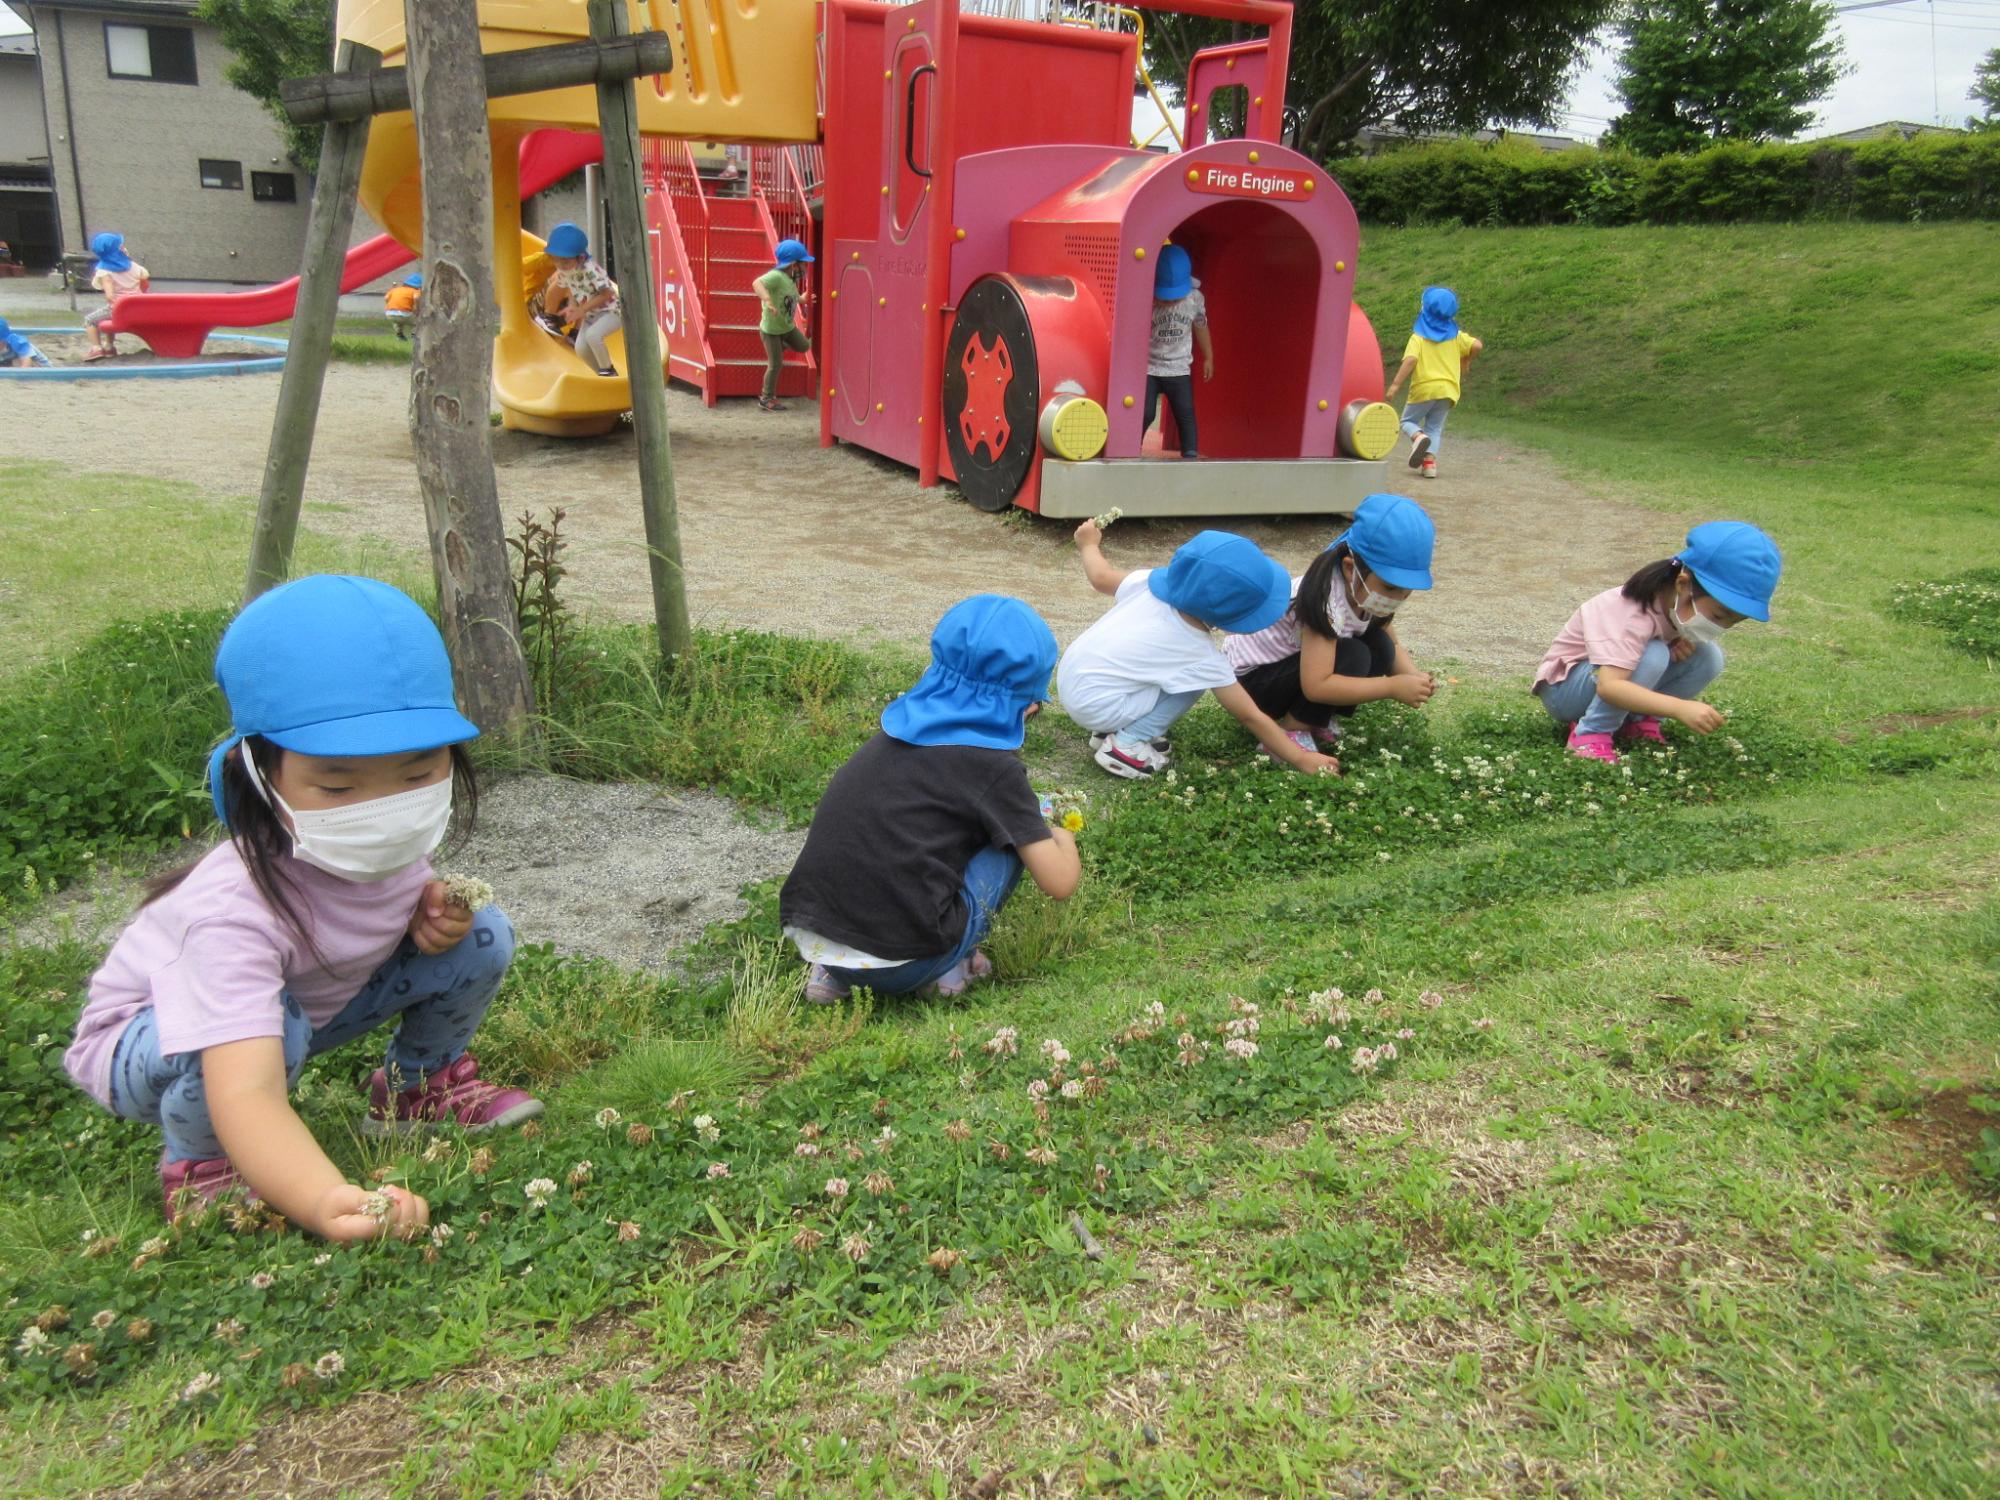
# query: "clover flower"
378,1206
539,1191
1332,1043
1055,1052
1003,1043
480,1162
1042,1156
717,1170
322,1258
438,1150
441,1234
262,1281
104,1320
1038,1089
885,1139
1241,1048
468,892
1430,999
1103,522
80,1360
942,1260
836,1187
200,1386
607,1117
1072,1089
329,1365
1407,1033
958,1132
1484,1023
855,1247
878,1184
806,1148
1001,1150
581,1173
32,1341
628,1231
639,1134
706,1129
807,1240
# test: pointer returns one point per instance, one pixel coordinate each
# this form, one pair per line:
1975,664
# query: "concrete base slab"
1209,486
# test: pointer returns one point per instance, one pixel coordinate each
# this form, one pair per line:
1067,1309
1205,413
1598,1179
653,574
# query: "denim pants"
1574,700
1179,391
437,1000
1427,416
1162,716
989,881
775,345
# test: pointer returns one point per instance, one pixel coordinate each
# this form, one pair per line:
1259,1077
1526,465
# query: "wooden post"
328,223
451,374
617,117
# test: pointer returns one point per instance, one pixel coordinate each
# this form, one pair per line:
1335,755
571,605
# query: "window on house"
163,54
274,187
221,174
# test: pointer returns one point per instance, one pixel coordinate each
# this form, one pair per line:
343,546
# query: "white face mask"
1698,627
365,841
1375,606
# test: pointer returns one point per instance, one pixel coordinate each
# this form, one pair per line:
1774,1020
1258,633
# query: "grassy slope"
1689,1219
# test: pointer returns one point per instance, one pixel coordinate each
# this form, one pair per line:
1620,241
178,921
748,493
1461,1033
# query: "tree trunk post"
617,115
451,373
328,224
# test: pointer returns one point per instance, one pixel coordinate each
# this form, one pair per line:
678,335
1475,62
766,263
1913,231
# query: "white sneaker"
1134,760
1164,745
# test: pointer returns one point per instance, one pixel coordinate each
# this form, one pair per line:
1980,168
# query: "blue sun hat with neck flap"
991,656
1736,564
1226,581
1437,315
13,343
334,665
109,249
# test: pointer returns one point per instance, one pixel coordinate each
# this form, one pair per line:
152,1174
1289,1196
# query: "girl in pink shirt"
319,920
1635,655
118,276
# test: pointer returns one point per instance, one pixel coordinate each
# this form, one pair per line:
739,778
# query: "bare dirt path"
780,534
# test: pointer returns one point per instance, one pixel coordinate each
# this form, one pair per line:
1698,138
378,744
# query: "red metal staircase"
712,239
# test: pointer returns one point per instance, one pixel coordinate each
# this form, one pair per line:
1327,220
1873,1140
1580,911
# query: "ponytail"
1309,604
1645,586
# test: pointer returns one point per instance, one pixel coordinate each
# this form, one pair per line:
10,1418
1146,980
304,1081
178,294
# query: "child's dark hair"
1645,586
1309,604
261,839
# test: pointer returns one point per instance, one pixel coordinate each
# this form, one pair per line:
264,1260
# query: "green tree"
270,41
1418,65
1694,72
1986,92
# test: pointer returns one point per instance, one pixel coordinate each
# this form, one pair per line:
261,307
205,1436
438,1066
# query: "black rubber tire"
992,309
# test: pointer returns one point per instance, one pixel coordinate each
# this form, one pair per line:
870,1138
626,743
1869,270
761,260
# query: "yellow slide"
742,72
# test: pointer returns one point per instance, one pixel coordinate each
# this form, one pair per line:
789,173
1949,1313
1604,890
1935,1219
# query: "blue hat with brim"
1393,538
1736,564
1437,315
1173,274
567,241
335,665
415,278
1226,581
991,656
792,252
14,343
109,249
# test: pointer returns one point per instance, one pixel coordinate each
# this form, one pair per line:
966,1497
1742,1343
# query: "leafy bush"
1468,182
1965,607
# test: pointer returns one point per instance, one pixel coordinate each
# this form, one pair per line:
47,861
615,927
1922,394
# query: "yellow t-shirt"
1436,375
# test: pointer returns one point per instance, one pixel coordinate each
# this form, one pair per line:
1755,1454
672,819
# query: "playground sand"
780,534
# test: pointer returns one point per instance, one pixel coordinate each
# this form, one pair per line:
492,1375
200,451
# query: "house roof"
18,46
1885,128
124,7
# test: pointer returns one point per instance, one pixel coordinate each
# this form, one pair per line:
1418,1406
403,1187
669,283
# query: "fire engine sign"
1237,180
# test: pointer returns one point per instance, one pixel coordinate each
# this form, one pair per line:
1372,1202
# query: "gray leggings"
592,333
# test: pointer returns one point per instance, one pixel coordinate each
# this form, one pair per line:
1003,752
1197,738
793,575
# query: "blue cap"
991,657
109,249
1173,274
15,344
791,252
1736,564
332,665
1393,538
415,278
566,241
1437,315
1226,581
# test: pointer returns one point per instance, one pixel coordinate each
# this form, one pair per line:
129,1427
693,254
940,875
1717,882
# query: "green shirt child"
780,297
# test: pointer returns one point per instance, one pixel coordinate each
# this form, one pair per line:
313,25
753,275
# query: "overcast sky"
1890,48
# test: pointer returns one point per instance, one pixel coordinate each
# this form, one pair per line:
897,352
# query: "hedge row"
1468,182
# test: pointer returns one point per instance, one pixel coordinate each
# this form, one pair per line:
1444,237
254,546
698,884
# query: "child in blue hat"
1180,322
1336,647
921,836
1434,363
1635,655
17,350
1130,676
317,920
581,297
118,276
399,303
778,318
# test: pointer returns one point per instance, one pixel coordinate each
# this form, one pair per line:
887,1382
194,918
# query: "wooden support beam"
618,122
451,374
328,224
327,97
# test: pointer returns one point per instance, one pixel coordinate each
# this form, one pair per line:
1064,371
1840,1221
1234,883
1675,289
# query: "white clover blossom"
806,1148
717,1170
1055,1052
1484,1023
1038,1089
329,1365
104,1320
1332,1043
262,1281
200,1386
607,1117
32,1341
1240,1048
322,1258
1003,1043
539,1191
836,1187
1430,999
1073,1088
706,1130
441,1234
1407,1033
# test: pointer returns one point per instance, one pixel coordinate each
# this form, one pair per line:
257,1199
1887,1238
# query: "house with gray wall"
27,195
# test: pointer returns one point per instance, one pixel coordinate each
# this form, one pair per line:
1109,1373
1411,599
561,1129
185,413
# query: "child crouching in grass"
319,920
921,836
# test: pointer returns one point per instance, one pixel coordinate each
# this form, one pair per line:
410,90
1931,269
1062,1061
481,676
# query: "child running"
18,351
921,836
582,296
1336,647
1437,356
1180,322
118,276
399,303
1130,676
319,919
1635,655
777,320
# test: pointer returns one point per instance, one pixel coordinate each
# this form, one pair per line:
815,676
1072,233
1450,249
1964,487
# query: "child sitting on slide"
582,296
118,276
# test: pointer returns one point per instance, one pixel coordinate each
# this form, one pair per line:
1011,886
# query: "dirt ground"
779,534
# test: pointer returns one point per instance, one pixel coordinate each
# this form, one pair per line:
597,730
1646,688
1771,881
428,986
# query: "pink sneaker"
1592,747
823,989
457,1095
1643,729
191,1184
1327,737
957,980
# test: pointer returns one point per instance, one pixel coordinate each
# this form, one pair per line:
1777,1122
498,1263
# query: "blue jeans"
438,1001
989,881
1427,416
1162,716
1574,699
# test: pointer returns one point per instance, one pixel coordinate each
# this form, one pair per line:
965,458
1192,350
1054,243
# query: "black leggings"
1179,391
1275,689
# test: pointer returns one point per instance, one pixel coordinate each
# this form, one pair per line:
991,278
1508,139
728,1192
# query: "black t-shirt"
885,858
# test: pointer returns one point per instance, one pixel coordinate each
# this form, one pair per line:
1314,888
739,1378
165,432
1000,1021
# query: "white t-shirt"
1116,670
1170,350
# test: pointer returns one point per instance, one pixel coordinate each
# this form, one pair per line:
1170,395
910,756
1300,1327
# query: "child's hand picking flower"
439,923
348,1212
1103,522
467,891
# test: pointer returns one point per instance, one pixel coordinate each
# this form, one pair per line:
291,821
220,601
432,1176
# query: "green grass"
1681,1183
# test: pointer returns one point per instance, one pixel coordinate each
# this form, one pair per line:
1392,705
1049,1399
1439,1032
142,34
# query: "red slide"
174,324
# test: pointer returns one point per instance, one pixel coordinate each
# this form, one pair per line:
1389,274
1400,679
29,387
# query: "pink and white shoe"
961,977
823,989
1592,747
455,1095
1644,730
186,1185
1327,736
1301,737
1135,760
